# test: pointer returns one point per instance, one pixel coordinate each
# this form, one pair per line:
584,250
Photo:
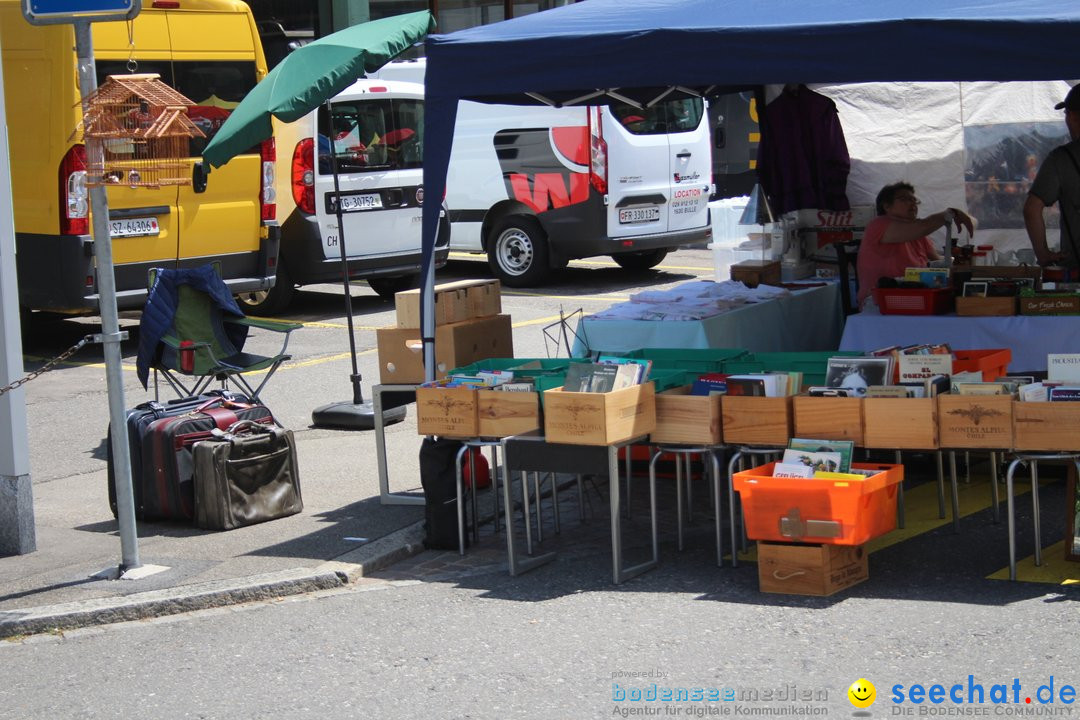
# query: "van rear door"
659,167
214,65
377,146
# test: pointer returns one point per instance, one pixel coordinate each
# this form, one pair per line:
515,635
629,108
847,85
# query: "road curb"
342,570
374,556
157,603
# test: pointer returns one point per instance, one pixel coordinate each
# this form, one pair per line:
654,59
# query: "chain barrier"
51,364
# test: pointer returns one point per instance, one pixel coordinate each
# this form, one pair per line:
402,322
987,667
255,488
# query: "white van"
535,187
377,129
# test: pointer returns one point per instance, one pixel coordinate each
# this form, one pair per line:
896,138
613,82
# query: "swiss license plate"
130,227
354,203
636,215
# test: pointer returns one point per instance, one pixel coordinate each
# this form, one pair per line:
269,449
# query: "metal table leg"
619,573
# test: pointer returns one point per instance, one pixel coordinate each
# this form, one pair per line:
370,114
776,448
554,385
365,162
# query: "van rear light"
597,151
303,176
74,194
268,197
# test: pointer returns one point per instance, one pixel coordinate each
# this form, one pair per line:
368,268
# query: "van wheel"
645,260
272,301
387,287
518,252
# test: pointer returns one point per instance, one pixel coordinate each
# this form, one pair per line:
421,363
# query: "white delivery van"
375,134
534,187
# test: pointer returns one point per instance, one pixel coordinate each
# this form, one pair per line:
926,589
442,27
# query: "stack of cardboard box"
469,327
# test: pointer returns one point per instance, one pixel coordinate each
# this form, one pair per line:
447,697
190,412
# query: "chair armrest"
275,325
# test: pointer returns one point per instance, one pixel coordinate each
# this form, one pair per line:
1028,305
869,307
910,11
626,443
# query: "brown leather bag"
246,475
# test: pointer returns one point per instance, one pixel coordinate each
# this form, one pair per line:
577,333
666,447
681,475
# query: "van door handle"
199,177
683,154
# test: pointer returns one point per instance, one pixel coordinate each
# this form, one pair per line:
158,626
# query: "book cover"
916,368
577,377
967,376
603,377
893,391
1065,393
1033,392
741,385
916,389
627,375
936,385
524,385
846,448
792,470
980,388
1063,367
827,461
709,384
857,373
642,366
824,391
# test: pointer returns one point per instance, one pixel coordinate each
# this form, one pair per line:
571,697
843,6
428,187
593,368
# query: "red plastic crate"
819,510
913,301
991,363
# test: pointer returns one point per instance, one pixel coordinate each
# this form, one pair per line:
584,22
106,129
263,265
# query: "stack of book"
766,384
1062,382
606,374
808,458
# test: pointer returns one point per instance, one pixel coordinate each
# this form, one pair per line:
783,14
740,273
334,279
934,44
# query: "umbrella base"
353,416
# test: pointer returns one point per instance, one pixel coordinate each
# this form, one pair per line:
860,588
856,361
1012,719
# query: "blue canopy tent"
579,53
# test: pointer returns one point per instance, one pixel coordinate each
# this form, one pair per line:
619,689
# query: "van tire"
273,301
518,252
645,260
387,287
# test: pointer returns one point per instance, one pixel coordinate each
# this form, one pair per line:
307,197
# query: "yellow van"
209,50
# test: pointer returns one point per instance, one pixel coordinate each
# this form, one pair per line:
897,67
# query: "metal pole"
17,534
110,323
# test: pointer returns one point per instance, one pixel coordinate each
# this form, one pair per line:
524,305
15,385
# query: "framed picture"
1072,516
975,289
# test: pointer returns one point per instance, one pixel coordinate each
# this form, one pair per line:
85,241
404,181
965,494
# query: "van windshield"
670,116
367,134
216,88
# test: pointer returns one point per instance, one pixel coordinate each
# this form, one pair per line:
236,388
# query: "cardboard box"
986,306
454,302
756,272
1046,426
975,421
756,420
900,423
828,418
685,419
583,418
401,351
810,569
468,412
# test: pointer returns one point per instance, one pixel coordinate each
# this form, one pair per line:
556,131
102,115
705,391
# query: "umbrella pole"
357,415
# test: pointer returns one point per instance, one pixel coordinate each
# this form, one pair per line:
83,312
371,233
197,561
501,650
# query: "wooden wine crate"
685,419
986,306
975,421
756,420
810,569
900,423
467,412
1046,426
585,418
829,418
454,302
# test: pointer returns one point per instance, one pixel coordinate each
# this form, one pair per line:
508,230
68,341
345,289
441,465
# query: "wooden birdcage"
144,131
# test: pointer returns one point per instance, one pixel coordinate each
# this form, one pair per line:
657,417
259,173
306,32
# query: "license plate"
636,215
130,227
354,203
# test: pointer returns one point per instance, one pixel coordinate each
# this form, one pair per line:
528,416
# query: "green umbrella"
311,75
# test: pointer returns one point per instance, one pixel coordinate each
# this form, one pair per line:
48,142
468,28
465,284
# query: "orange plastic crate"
991,363
819,510
913,301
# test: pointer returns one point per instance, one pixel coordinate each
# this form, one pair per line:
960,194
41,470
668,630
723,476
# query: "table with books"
706,314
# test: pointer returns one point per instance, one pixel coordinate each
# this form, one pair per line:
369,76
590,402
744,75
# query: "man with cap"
1058,181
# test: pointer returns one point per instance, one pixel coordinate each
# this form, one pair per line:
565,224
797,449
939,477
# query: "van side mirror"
199,176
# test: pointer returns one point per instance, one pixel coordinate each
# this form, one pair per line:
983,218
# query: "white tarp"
971,145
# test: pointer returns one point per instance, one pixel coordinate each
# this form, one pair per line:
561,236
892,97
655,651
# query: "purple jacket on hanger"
803,158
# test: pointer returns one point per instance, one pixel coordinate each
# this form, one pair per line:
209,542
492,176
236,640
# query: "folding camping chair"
204,343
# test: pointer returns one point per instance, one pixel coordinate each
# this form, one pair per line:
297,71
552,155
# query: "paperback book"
858,373
816,461
845,448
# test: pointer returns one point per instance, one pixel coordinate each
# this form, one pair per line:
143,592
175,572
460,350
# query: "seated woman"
896,238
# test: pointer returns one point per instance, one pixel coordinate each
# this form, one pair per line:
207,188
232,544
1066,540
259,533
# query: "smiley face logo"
862,693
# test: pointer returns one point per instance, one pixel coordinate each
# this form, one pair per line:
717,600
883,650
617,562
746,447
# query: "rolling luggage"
246,475
160,437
